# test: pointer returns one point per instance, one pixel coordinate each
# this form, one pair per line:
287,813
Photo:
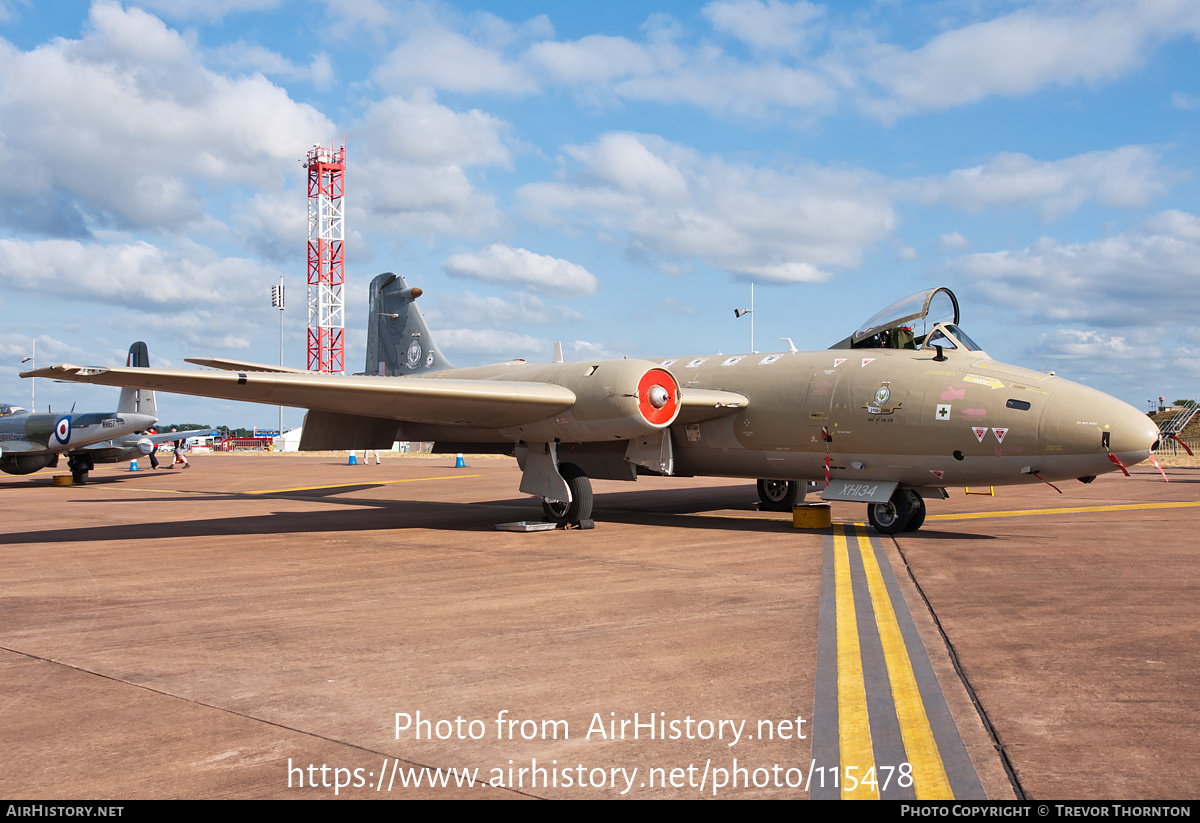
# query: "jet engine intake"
615,400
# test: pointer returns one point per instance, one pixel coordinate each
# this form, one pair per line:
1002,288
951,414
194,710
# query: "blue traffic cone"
133,465
459,463
353,460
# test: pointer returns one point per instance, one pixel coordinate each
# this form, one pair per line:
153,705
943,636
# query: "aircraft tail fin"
138,401
398,341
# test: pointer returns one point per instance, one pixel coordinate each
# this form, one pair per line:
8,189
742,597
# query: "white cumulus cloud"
1148,276
414,164
129,274
669,201
770,25
494,343
499,263
119,128
1023,51
1126,177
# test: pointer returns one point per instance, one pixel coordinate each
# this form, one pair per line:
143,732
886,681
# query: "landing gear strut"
779,495
579,511
80,465
904,512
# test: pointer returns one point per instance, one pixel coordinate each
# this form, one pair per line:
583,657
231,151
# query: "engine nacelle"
615,400
26,463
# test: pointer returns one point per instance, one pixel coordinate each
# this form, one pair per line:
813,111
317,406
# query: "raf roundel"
62,430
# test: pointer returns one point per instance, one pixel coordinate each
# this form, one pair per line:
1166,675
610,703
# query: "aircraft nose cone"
1133,433
1086,421
139,421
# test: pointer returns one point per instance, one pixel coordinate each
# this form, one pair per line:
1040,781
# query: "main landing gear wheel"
904,512
579,511
779,495
917,518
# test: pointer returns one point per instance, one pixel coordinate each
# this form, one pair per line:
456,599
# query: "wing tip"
60,370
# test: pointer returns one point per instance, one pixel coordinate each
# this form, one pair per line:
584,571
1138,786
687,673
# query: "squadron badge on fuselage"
882,403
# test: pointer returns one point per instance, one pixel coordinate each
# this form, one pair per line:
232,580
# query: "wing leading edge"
483,403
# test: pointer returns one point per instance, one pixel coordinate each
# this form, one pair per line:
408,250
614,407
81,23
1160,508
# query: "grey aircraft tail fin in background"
138,401
398,341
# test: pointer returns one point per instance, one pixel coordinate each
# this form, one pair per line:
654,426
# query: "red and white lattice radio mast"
326,272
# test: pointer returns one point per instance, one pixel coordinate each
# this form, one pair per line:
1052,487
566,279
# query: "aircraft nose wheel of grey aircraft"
579,511
779,495
904,512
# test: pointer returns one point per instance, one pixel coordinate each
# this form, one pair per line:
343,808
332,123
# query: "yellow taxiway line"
883,718
854,727
929,775
298,488
1120,507
1123,507
360,483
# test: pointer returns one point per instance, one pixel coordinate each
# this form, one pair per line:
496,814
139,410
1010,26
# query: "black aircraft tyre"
580,507
80,465
891,517
779,495
917,518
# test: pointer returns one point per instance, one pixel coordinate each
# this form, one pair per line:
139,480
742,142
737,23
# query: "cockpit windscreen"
913,318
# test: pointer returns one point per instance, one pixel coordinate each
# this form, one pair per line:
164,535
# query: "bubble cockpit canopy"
922,320
7,410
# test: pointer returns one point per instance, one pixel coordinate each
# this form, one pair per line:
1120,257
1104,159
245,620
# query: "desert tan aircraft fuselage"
877,414
902,409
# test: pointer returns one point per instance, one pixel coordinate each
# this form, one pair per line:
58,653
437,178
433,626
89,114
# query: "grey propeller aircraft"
29,442
903,408
132,446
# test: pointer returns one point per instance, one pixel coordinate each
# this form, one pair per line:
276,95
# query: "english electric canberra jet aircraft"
901,409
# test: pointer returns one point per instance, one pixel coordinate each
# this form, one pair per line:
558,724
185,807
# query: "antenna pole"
752,318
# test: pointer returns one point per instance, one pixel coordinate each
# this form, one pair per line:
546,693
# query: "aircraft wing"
241,365
171,437
22,447
464,402
118,449
130,440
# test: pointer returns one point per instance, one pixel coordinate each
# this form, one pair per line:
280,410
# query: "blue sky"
613,176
